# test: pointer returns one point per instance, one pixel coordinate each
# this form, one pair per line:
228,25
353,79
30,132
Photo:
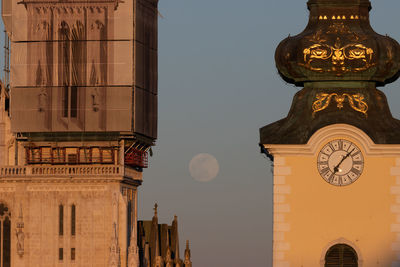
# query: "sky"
217,86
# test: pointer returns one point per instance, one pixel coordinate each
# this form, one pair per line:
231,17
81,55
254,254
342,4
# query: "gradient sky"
217,86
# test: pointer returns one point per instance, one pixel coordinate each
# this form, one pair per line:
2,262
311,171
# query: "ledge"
63,171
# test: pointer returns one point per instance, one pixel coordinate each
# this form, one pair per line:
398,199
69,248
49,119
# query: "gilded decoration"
356,102
341,17
338,50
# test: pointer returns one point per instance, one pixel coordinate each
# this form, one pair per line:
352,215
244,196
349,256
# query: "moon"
203,167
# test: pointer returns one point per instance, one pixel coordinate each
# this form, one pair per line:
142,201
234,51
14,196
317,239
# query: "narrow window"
5,237
60,254
74,101
7,242
61,220
65,101
72,221
72,254
129,224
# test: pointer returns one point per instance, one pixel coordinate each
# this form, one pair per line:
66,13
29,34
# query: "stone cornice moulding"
53,180
70,172
335,131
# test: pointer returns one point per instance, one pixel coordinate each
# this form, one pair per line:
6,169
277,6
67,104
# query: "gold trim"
337,57
356,102
341,17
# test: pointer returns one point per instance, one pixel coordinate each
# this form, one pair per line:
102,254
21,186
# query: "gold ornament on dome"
342,56
356,102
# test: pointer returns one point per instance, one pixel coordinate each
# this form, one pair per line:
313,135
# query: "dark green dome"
338,44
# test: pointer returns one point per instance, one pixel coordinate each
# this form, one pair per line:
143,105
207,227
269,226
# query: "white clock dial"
340,162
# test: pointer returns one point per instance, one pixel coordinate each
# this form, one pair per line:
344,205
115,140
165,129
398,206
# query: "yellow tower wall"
311,215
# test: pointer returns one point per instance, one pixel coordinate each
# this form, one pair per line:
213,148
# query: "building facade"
79,116
159,244
336,155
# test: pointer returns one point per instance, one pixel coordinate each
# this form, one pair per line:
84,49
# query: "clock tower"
336,155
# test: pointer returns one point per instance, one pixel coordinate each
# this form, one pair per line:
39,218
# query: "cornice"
334,131
70,173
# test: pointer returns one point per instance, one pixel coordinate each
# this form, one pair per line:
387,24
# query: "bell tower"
78,119
336,155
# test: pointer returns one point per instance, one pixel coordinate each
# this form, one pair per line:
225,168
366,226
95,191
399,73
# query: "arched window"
71,65
341,255
5,236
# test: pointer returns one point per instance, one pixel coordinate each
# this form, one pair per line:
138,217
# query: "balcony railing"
68,170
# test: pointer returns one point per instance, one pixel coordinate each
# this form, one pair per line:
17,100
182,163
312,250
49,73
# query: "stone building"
77,120
336,155
159,244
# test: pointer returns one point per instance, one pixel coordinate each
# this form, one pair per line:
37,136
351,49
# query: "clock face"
340,162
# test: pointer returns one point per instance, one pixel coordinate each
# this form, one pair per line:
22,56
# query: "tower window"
6,242
60,254
341,255
74,102
61,220
70,101
71,65
72,254
73,222
65,101
5,236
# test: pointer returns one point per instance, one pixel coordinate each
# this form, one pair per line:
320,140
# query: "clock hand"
336,168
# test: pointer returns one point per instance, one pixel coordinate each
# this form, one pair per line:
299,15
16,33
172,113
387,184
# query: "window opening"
74,101
72,254
5,236
60,254
6,242
72,65
61,220
341,255
73,220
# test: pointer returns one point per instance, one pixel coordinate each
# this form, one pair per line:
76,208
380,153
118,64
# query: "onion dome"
338,44
339,60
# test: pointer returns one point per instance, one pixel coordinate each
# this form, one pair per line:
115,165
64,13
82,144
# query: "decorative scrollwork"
356,102
338,57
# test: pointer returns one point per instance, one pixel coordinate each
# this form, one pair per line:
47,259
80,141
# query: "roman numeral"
325,170
345,180
331,146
